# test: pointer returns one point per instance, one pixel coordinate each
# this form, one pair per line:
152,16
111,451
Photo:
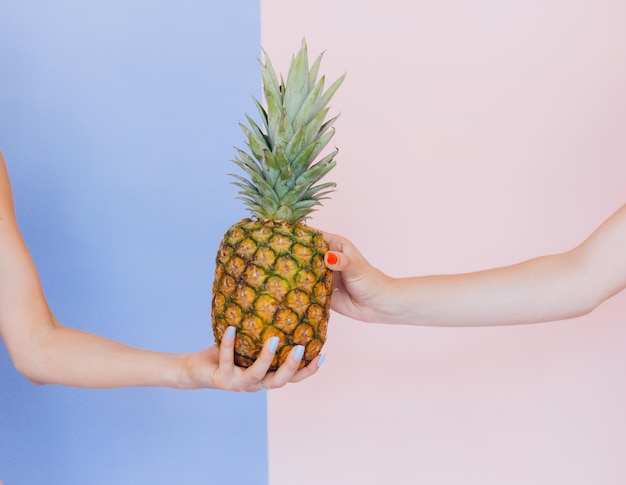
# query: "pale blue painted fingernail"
230,333
299,352
321,360
274,343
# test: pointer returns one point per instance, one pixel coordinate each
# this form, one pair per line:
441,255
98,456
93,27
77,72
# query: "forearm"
539,290
543,289
72,357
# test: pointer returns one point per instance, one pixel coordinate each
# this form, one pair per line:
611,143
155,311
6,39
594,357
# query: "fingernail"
298,353
274,343
321,360
230,332
331,258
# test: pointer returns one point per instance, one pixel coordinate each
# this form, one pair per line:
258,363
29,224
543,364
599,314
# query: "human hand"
359,289
215,368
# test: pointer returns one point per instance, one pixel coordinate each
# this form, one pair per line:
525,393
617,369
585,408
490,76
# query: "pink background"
472,134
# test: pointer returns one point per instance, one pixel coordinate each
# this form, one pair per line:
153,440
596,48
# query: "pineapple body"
271,280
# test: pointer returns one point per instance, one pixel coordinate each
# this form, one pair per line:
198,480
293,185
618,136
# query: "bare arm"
543,289
47,352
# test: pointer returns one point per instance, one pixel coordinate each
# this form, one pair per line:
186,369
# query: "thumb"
345,257
336,258
348,262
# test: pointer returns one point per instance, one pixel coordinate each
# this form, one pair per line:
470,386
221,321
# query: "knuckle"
256,374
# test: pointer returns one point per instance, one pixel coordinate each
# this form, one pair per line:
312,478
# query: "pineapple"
270,277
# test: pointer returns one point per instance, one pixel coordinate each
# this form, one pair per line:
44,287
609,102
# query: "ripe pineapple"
270,277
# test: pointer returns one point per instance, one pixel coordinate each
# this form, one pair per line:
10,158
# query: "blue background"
117,122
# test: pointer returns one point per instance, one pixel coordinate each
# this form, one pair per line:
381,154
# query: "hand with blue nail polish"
256,377
47,352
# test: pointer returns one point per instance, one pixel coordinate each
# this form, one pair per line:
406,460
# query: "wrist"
396,303
382,303
194,371
178,376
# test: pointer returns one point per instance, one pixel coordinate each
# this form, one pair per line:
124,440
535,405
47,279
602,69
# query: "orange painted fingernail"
332,258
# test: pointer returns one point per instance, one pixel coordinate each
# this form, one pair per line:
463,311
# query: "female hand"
215,368
359,288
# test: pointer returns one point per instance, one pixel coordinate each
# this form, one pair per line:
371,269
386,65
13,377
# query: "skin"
47,352
547,288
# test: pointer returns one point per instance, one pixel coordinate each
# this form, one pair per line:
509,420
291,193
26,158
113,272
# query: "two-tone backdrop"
471,135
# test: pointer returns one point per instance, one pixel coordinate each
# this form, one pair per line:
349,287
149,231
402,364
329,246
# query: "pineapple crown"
283,176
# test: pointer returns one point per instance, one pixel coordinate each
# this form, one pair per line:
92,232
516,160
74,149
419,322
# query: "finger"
334,241
258,370
287,370
349,261
310,369
337,257
334,245
227,352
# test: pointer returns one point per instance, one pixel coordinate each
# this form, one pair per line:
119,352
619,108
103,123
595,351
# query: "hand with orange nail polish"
359,288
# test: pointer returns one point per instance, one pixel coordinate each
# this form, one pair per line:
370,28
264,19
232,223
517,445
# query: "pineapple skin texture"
271,280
